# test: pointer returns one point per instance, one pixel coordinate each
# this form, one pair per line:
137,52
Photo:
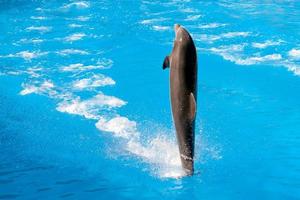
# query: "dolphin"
183,90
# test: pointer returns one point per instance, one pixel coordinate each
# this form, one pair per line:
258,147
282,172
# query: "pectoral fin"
192,112
166,63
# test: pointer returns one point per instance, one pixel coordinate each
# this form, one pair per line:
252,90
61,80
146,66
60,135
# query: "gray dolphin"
183,89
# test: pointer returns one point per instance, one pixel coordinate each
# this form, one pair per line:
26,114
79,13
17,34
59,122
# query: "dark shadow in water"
68,182
4,173
43,189
107,188
9,196
6,181
13,4
96,190
66,195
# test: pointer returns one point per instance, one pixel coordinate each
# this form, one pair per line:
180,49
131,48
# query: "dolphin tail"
187,164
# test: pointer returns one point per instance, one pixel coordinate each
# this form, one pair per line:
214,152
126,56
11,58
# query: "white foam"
207,38
193,17
66,52
30,41
75,25
30,55
270,57
42,29
91,108
78,67
14,73
211,25
78,5
235,34
82,18
38,17
293,68
28,89
38,88
189,10
26,55
75,37
34,71
234,54
266,44
160,151
105,62
161,28
229,48
294,54
93,82
229,35
155,20
119,126
42,9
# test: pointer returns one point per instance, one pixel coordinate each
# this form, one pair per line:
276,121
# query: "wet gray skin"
183,88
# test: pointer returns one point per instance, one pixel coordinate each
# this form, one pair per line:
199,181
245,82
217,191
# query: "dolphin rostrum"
183,85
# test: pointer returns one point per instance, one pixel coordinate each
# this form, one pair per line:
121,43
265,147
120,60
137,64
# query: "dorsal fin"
166,63
192,111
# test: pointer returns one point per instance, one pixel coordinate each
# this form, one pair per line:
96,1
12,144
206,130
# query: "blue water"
85,108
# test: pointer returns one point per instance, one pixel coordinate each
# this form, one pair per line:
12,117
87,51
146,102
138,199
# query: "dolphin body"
183,88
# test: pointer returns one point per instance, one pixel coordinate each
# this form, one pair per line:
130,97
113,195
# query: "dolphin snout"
176,27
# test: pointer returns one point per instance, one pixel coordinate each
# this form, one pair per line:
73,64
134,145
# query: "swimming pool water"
85,108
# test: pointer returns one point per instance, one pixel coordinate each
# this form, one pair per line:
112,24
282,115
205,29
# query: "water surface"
85,103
